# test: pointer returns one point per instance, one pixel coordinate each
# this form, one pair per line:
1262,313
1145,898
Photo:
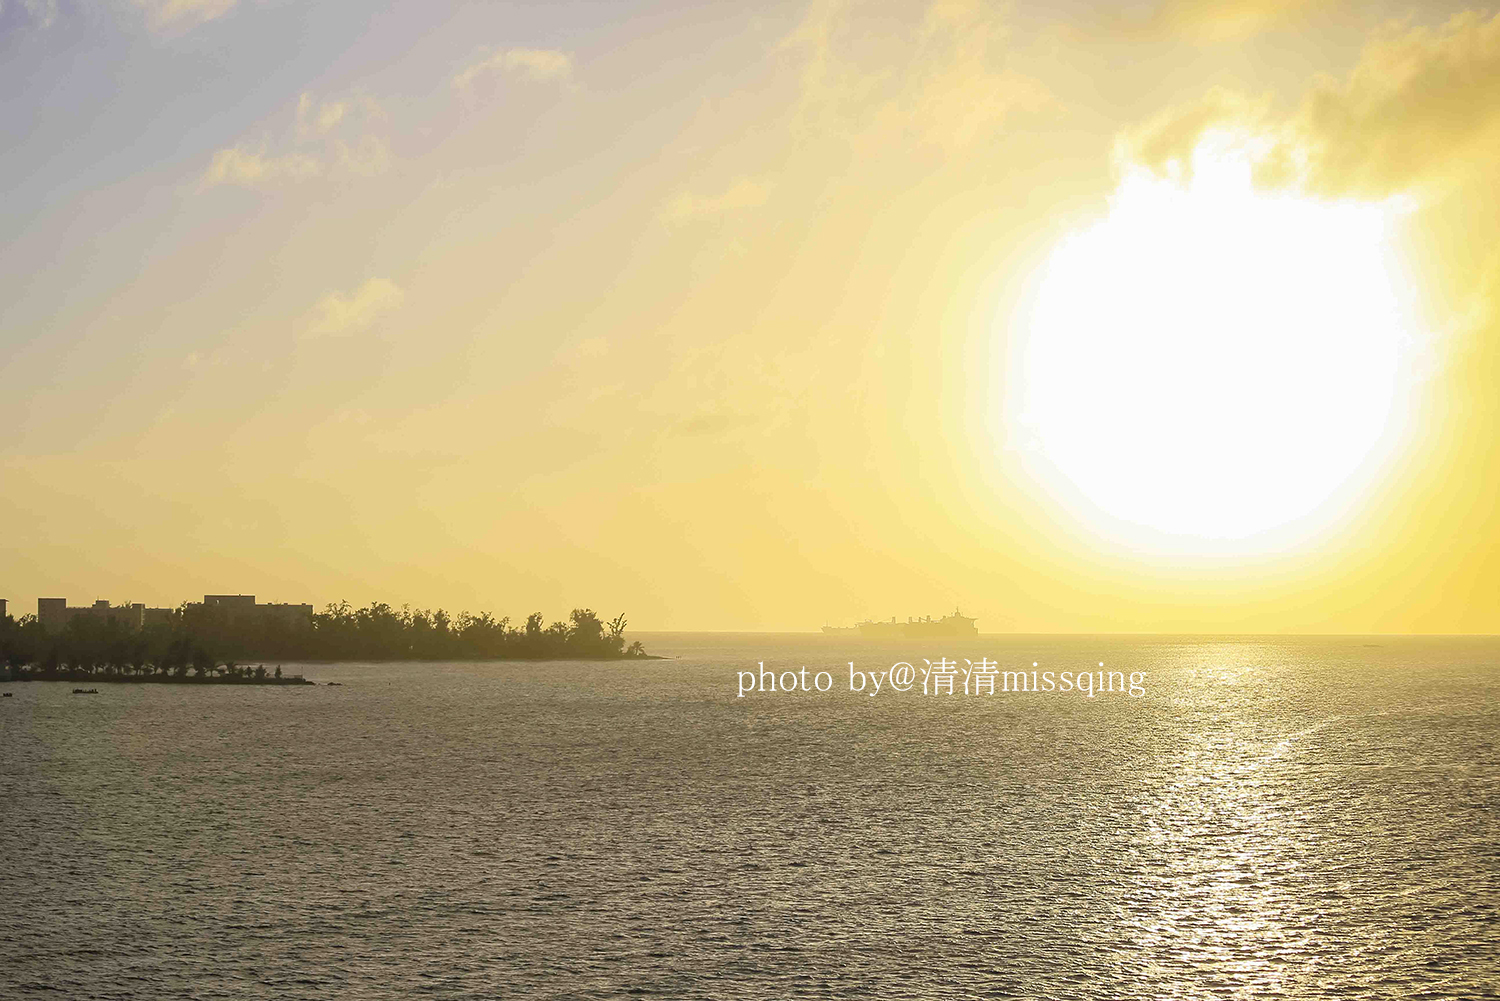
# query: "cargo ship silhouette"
956,624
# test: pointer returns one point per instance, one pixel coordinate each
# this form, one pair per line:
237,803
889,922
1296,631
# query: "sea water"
1269,818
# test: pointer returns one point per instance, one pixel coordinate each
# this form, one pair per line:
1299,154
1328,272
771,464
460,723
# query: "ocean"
1268,818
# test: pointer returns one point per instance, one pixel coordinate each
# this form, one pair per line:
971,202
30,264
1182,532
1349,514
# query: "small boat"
7,695
85,691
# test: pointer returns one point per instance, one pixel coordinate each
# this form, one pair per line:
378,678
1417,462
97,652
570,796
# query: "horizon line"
1308,635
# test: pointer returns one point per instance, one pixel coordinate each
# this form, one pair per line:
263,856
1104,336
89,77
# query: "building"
54,614
234,603
242,607
159,616
3,612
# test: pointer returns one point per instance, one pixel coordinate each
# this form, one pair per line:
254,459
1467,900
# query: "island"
210,644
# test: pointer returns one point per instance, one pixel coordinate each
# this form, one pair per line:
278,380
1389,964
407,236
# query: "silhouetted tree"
194,639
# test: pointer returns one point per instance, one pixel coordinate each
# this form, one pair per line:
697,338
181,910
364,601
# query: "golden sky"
1176,316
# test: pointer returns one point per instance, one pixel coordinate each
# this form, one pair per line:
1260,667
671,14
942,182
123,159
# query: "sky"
1080,317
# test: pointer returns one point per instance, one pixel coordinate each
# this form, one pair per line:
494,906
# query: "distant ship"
949,625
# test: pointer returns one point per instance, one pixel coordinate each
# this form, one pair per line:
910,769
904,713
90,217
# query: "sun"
1211,362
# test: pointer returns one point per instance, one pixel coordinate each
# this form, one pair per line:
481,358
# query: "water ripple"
1275,819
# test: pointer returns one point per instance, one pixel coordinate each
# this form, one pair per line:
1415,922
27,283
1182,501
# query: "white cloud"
532,64
251,168
346,314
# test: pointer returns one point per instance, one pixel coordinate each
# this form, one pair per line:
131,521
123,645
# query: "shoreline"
127,679
21,675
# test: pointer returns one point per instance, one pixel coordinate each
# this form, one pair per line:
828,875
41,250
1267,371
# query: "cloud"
937,74
369,157
746,193
1166,143
172,16
253,168
327,138
1418,106
166,17
539,65
1417,121
1418,100
318,119
1231,20
30,13
348,314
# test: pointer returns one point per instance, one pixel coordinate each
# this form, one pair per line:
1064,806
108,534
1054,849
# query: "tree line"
208,642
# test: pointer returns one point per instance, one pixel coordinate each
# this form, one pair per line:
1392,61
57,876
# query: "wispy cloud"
164,17
370,156
172,16
30,13
252,168
340,137
745,193
315,118
1231,20
532,64
337,313
936,73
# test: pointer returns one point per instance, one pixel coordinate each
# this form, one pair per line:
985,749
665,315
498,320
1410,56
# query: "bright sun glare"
1213,362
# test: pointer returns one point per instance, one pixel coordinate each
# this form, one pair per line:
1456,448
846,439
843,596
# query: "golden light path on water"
1212,362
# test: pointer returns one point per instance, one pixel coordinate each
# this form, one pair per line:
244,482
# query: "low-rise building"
54,614
240,607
